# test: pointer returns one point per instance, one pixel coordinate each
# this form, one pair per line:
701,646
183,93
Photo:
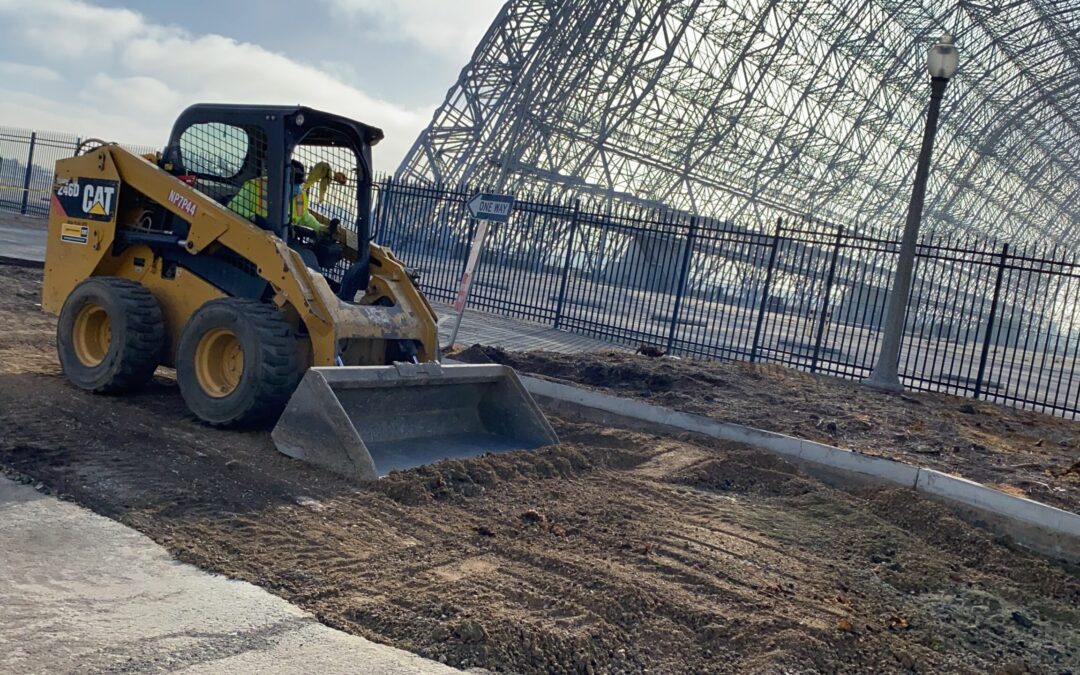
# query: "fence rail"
987,320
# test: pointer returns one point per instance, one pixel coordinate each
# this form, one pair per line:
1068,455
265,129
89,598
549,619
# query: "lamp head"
943,59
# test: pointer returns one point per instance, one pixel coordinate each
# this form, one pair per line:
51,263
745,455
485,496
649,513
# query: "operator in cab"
250,202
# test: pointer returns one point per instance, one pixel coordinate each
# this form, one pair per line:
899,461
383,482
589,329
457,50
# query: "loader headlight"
300,120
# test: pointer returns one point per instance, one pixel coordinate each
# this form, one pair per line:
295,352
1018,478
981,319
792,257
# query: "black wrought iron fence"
985,320
27,166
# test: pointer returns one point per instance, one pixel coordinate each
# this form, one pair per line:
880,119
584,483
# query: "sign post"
486,208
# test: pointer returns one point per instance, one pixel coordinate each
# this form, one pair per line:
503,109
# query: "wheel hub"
219,362
91,335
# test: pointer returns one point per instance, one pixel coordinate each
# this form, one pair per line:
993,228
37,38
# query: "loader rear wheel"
237,363
110,335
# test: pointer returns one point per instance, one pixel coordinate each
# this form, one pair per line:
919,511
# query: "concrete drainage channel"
1045,529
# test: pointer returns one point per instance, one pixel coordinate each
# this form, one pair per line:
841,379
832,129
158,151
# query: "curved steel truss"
735,108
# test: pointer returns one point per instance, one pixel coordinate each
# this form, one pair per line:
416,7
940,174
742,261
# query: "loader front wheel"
110,335
237,363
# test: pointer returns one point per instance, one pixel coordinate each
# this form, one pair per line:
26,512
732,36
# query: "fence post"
471,230
379,199
990,322
461,199
824,318
684,274
29,172
566,262
601,249
765,291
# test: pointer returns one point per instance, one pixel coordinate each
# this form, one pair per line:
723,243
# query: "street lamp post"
942,61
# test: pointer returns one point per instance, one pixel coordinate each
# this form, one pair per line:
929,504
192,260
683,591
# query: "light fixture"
943,59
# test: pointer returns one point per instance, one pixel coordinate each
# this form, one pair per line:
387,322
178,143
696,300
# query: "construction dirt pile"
615,551
1019,451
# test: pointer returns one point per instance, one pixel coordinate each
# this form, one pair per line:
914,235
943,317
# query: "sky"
124,70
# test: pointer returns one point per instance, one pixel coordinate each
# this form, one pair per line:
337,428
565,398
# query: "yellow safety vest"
251,202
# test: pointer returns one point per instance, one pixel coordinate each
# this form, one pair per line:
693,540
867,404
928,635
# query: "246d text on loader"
241,257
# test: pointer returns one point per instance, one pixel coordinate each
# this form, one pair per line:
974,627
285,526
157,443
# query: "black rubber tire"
136,341
271,369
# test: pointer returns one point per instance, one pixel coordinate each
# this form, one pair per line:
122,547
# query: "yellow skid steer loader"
241,257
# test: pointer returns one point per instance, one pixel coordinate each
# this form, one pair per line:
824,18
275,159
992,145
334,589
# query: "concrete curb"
1035,525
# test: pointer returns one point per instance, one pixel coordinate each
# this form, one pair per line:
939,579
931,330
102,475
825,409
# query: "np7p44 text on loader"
241,257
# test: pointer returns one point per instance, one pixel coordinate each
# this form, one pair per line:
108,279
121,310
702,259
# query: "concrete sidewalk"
82,593
516,335
22,239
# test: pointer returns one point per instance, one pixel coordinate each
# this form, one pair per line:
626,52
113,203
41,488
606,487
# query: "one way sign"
486,206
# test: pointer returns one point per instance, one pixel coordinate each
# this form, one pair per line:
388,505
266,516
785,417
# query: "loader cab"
220,149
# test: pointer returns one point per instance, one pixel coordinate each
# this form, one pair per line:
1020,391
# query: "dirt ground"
1019,451
615,551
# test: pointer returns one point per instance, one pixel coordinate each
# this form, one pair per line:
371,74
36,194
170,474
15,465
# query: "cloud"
141,81
449,27
64,29
11,71
140,94
41,113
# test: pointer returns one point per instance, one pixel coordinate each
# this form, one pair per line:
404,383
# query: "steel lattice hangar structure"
739,108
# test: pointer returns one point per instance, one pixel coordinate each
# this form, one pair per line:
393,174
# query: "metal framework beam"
740,108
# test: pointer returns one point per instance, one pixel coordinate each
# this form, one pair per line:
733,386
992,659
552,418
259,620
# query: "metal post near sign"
486,208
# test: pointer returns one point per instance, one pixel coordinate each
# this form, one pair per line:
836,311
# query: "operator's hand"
332,228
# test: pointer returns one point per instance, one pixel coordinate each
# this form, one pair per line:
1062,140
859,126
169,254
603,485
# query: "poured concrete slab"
494,330
21,240
82,593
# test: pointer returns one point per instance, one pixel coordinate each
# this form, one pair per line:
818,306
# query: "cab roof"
234,112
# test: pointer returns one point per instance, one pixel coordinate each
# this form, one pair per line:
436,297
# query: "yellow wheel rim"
91,335
219,362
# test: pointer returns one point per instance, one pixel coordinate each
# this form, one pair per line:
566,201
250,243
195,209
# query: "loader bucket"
365,421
